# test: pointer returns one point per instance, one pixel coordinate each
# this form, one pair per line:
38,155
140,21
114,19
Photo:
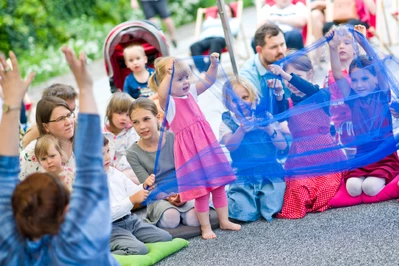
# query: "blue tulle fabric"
316,145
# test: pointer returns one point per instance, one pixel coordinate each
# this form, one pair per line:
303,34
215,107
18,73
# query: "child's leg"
201,206
373,185
354,186
145,232
124,243
190,218
169,219
219,199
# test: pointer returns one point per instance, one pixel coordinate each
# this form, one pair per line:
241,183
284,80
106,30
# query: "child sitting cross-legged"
129,232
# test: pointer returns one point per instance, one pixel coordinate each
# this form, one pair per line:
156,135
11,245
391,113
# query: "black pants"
328,25
212,44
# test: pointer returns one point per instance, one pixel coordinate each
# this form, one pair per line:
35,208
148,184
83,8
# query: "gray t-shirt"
142,162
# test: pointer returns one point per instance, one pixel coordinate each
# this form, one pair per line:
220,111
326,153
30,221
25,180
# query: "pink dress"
201,165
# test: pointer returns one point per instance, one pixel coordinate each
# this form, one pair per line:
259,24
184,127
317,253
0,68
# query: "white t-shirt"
120,189
213,27
290,10
170,114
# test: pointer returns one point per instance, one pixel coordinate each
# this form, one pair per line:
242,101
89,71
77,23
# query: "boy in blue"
40,223
136,82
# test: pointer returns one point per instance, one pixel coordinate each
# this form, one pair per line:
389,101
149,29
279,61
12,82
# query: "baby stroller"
140,31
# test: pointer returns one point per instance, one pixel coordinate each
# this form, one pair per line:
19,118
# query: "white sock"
354,186
373,185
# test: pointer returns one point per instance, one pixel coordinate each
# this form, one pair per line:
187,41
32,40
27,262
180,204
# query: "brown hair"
38,204
160,64
44,143
266,30
146,104
299,61
62,91
119,103
45,108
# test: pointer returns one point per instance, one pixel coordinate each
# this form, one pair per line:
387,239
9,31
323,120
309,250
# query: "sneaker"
174,43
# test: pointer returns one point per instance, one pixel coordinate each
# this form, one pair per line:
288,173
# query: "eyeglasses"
71,115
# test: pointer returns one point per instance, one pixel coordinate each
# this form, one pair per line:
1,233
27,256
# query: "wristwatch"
7,108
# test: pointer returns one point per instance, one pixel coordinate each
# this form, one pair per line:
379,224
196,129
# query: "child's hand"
14,87
170,67
275,84
247,124
78,68
149,182
214,57
332,39
361,29
139,197
275,69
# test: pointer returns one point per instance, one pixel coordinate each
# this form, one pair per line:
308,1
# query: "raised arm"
163,88
85,233
210,76
336,68
14,89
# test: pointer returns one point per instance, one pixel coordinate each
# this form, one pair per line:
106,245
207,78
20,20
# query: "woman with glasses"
54,117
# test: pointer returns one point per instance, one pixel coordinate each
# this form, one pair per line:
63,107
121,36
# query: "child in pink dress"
201,166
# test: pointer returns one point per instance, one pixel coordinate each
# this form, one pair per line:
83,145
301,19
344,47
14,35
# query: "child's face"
345,48
135,60
363,81
145,123
180,84
106,157
120,120
52,162
244,103
303,74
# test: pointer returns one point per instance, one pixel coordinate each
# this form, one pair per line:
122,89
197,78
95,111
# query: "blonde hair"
132,47
44,144
119,103
232,83
160,64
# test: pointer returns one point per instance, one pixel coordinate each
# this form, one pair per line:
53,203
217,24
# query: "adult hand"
78,68
14,87
149,182
139,197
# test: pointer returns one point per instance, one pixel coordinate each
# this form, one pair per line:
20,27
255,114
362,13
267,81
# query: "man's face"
273,50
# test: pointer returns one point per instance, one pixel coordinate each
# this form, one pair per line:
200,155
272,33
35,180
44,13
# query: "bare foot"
207,232
229,226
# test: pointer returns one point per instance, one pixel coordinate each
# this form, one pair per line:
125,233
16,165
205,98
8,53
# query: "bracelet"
272,136
278,94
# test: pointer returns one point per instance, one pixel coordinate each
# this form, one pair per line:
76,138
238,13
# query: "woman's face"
61,123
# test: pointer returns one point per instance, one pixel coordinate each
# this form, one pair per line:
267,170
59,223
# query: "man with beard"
270,47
